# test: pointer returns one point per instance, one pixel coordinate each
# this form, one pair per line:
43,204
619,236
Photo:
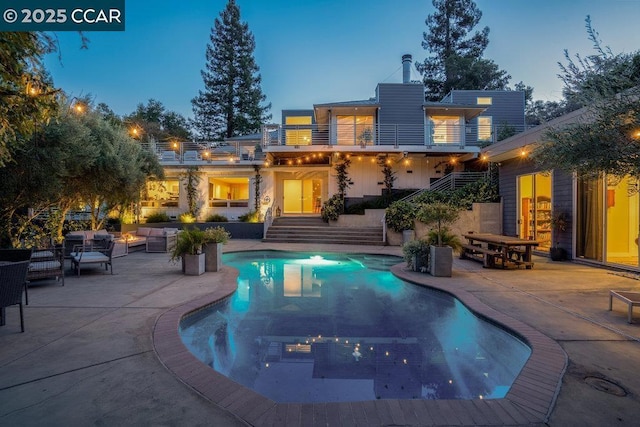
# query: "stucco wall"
371,218
482,218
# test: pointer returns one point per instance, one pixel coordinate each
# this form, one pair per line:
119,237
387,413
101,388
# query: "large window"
228,192
164,193
354,130
445,129
485,125
298,130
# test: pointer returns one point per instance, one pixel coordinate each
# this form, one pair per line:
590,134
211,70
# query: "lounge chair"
87,254
13,276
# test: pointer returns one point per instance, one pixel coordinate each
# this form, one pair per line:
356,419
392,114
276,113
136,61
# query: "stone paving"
88,355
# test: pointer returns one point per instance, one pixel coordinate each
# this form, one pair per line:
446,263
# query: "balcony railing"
188,152
389,135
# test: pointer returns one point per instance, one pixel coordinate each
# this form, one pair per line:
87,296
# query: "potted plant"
440,215
188,248
399,217
416,254
214,237
559,223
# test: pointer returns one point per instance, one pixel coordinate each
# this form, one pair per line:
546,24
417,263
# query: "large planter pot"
441,261
407,236
212,256
557,254
193,264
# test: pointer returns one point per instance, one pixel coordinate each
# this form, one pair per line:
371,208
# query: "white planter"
193,264
212,256
441,261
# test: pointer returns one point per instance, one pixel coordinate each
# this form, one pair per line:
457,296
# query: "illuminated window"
232,191
298,130
354,130
445,129
485,125
164,193
484,100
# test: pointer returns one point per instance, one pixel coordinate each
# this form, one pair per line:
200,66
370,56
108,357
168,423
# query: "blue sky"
323,50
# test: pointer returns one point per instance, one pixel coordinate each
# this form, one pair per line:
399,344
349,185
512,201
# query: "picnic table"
495,250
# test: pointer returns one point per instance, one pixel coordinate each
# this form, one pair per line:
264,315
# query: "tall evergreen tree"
230,104
456,60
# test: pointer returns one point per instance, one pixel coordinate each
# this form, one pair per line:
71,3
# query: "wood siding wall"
506,107
562,194
401,103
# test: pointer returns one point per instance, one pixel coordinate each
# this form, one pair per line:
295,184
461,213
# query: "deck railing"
390,135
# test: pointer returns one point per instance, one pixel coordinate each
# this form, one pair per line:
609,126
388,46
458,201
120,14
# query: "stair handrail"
384,227
268,220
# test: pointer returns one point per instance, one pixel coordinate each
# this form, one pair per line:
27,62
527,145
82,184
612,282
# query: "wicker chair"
13,276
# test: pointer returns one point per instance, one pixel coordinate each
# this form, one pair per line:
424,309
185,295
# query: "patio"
87,355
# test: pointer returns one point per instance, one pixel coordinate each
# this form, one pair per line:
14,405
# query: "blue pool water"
306,327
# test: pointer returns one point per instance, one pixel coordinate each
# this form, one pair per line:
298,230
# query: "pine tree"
230,104
456,61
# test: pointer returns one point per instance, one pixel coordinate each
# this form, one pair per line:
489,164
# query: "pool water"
324,327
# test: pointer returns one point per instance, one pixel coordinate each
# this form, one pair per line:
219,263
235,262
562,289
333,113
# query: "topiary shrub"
158,217
216,218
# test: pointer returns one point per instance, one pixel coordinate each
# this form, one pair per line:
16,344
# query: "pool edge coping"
530,399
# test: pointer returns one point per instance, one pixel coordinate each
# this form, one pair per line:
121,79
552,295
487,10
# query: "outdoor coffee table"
632,299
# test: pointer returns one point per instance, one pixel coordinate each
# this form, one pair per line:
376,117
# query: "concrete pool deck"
88,357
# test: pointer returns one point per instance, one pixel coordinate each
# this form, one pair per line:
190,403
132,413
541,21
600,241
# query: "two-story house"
421,141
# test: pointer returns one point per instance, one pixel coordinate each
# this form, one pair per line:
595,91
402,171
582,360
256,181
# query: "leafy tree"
605,139
154,122
456,61
230,104
27,95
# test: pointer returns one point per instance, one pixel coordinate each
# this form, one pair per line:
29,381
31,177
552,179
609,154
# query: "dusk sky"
324,50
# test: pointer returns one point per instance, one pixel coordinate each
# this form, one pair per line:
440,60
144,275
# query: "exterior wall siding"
562,193
401,104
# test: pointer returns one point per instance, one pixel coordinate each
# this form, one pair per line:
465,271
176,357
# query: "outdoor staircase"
312,229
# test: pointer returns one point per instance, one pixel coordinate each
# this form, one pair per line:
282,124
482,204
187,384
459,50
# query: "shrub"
438,215
158,217
216,218
332,208
216,235
251,216
187,218
400,216
419,249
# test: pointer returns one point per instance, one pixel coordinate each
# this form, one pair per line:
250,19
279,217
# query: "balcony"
189,153
382,135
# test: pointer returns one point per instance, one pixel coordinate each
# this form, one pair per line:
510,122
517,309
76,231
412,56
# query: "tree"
605,139
74,160
230,104
155,122
27,95
456,61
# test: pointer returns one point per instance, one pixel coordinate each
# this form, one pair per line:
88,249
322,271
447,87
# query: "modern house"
422,142
604,213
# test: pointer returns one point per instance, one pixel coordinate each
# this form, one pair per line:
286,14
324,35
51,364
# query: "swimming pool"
306,327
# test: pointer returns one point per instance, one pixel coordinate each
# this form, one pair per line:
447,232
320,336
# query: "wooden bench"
478,253
632,299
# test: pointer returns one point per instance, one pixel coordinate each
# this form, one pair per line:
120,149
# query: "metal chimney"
406,68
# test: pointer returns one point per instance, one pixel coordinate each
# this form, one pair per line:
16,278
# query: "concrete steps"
314,230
